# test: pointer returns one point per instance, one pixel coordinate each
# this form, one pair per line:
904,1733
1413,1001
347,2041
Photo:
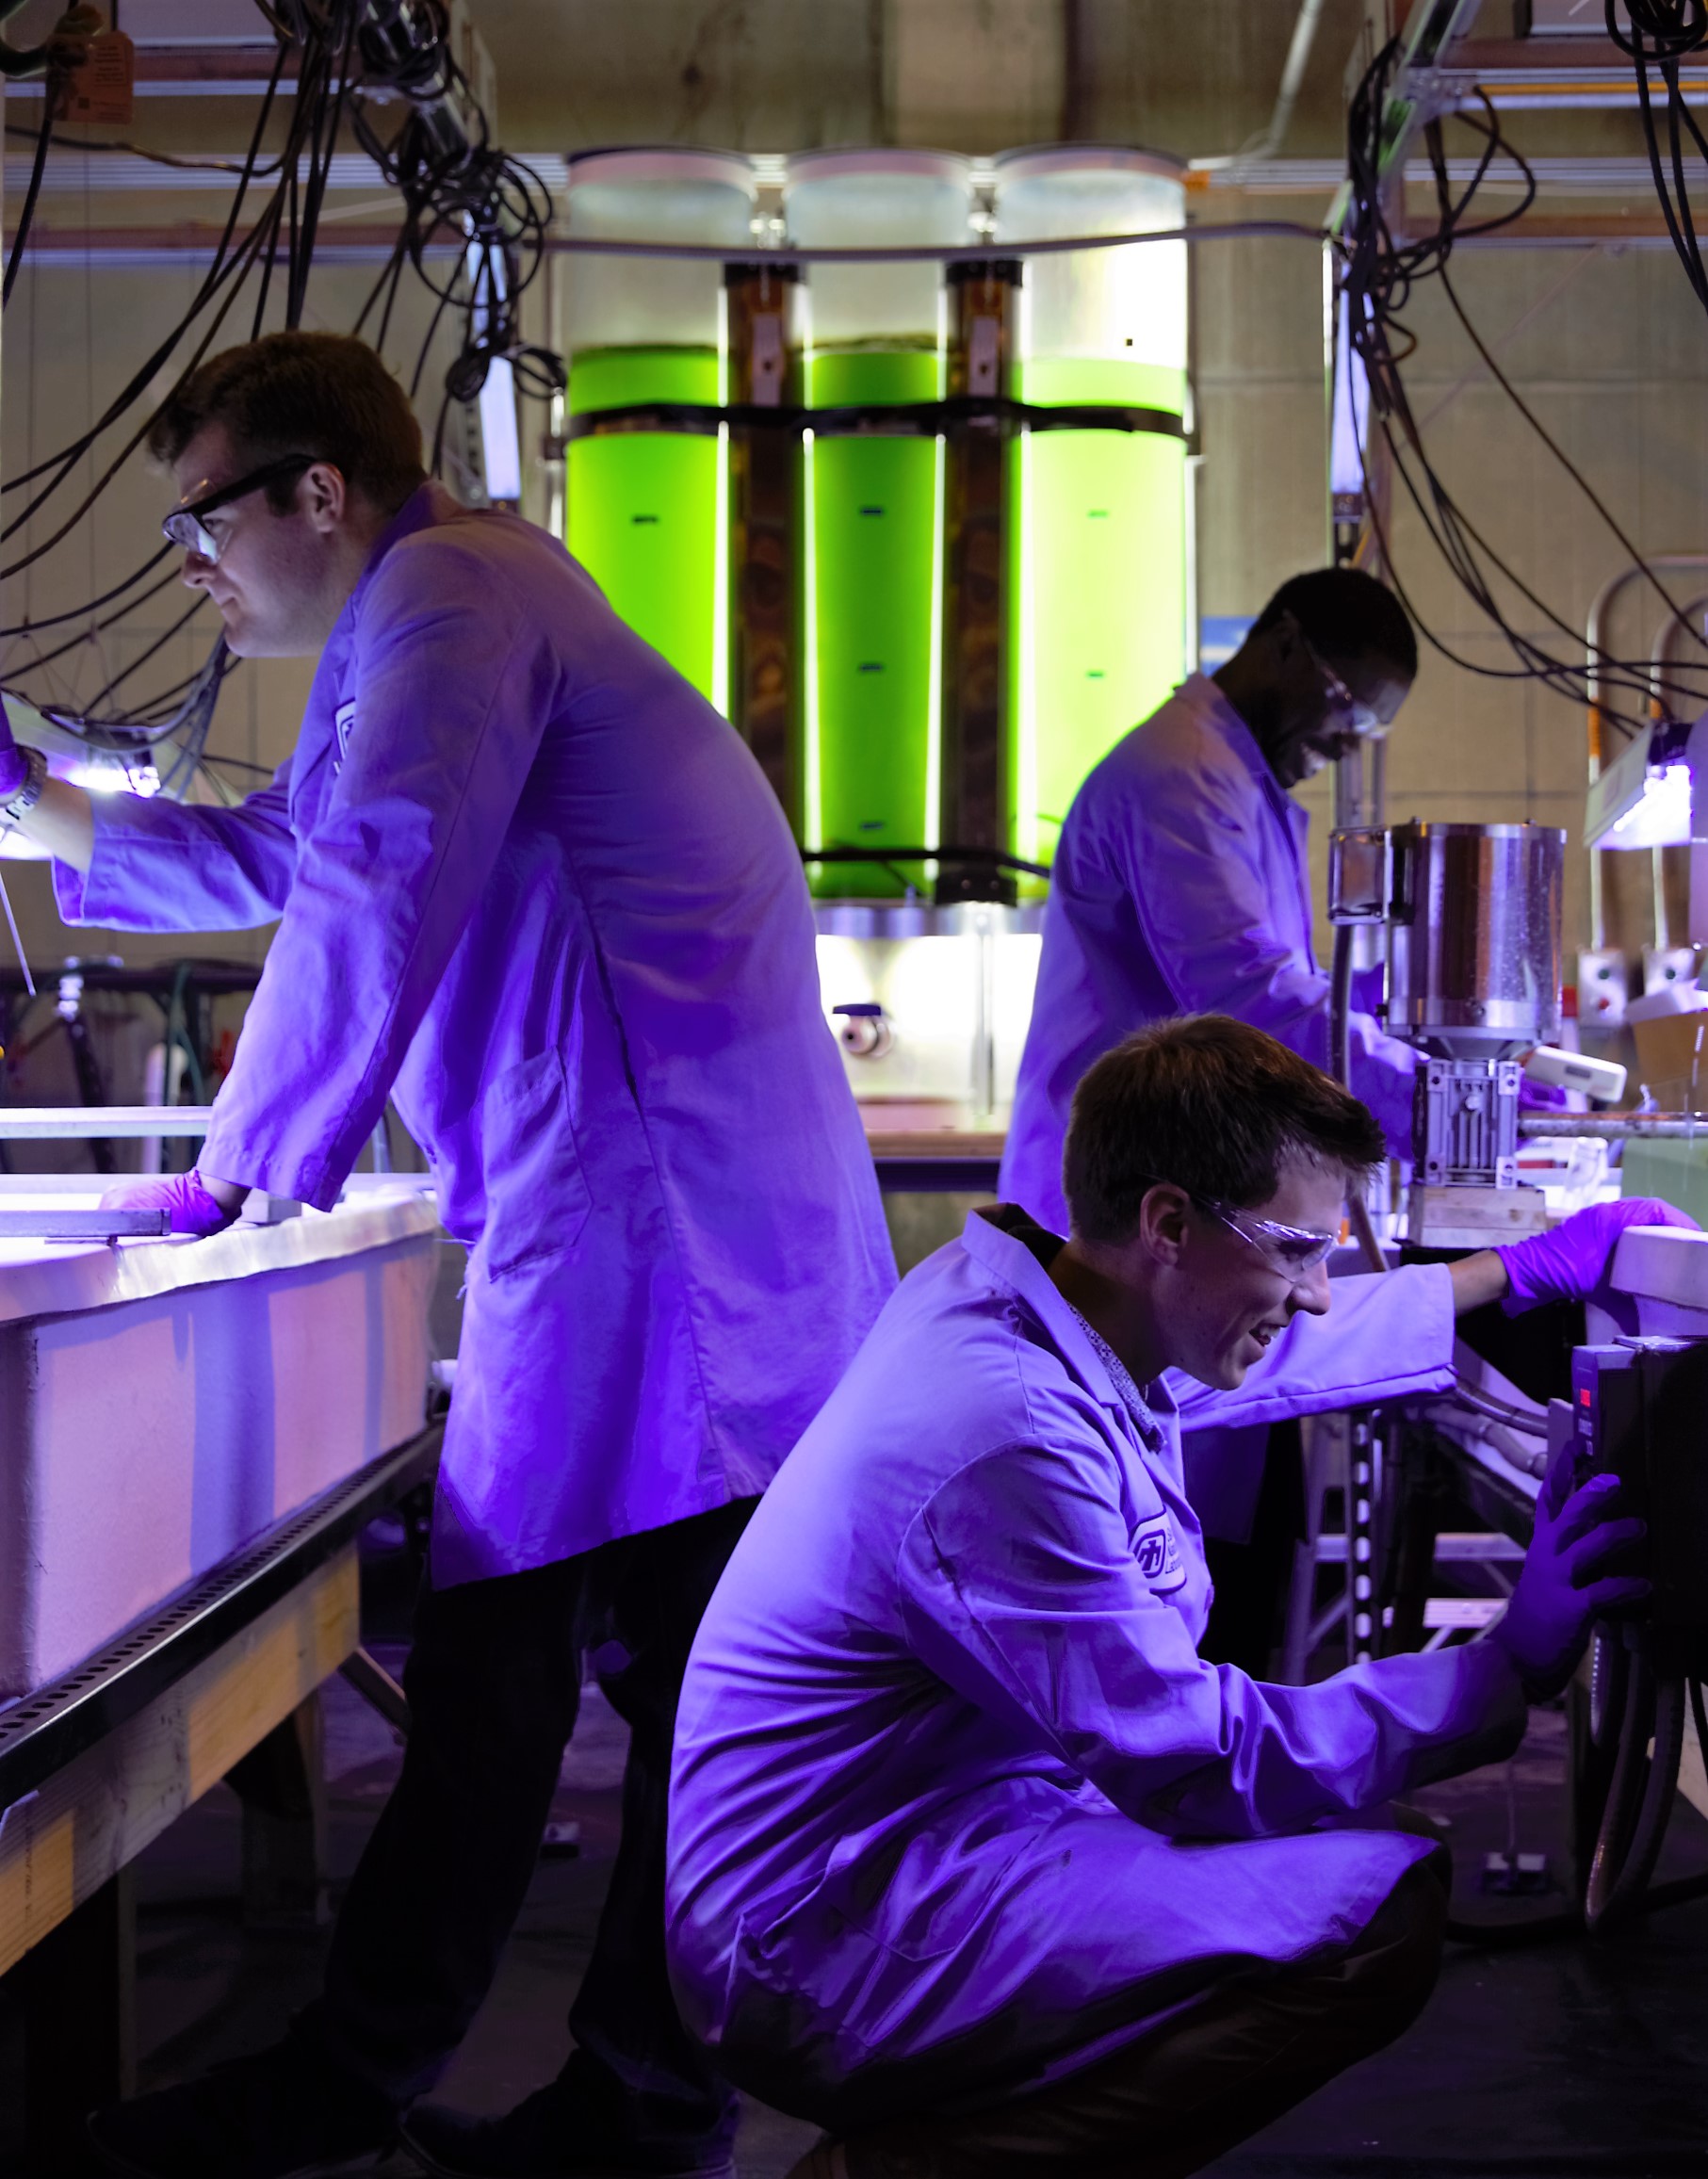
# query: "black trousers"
1179,2098
493,1682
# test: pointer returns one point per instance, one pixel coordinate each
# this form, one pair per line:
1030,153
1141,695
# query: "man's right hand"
1562,1589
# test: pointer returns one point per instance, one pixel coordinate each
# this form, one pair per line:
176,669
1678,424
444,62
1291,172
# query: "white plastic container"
166,1402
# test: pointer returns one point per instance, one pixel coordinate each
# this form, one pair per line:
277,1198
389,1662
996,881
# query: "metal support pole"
1363,1497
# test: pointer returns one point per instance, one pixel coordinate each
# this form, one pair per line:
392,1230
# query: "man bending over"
972,1859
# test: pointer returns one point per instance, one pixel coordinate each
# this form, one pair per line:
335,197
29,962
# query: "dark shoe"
273,2115
531,2142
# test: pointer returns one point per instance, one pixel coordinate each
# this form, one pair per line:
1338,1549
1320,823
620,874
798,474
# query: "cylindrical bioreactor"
1099,594
1473,936
646,346
874,499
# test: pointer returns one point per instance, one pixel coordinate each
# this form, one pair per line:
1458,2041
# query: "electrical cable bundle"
1380,275
1661,34
458,189
284,228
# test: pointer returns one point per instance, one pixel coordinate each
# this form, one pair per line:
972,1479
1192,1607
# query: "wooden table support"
223,1685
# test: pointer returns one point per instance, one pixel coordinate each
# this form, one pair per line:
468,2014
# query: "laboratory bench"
196,1433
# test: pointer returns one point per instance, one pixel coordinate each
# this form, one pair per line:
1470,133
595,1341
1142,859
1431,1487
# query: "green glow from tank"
1098,583
645,507
873,621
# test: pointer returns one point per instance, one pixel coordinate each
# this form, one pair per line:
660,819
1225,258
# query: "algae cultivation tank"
648,508
1097,591
873,492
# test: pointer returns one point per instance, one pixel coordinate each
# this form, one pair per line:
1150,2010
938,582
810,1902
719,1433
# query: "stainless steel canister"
1473,936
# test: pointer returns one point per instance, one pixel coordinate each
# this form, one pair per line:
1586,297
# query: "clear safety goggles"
184,526
1293,1252
1355,716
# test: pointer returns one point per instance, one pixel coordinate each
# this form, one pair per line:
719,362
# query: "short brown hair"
324,394
1211,1104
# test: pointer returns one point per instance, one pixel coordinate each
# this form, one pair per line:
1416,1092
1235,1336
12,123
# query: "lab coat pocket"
537,1197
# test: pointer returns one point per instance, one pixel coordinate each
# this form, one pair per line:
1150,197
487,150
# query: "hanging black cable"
14,261
1379,277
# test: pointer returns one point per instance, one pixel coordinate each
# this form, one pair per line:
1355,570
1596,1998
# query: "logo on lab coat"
1155,1547
344,724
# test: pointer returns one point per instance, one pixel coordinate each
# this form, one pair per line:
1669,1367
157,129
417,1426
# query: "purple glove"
1574,1260
13,769
1559,1596
1542,1097
193,1210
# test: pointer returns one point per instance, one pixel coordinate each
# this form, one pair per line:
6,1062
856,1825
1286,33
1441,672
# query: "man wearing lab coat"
973,1859
1182,885
532,886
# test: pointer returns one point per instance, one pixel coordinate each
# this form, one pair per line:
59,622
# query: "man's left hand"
1574,1260
197,1205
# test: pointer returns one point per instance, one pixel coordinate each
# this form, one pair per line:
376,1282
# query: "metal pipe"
1594,645
1638,1125
1340,1066
1270,139
1660,658
97,1123
1664,645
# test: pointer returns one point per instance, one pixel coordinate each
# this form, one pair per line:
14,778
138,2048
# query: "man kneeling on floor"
974,1859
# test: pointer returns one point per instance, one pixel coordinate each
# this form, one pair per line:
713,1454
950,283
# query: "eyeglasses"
1292,1252
1361,719
185,527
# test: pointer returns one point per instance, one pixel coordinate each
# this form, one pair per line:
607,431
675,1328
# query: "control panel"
1640,1412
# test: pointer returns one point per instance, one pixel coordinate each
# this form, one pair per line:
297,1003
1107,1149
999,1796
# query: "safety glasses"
1360,718
184,526
1293,1252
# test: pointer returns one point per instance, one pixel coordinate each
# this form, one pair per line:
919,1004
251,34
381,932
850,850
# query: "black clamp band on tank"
976,876
877,420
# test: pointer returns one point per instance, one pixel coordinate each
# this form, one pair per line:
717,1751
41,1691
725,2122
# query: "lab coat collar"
429,502
1206,698
1011,1264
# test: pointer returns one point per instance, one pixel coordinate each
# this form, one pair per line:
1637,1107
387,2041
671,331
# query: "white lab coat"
1180,886
956,1805
534,887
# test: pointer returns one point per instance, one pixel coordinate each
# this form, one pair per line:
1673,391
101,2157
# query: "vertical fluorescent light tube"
934,742
812,814
720,577
500,436
1025,668
720,551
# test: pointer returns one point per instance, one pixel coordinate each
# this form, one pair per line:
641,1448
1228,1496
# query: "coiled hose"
1651,1740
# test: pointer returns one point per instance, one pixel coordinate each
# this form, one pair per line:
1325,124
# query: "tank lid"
840,161
1429,828
1030,159
662,163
